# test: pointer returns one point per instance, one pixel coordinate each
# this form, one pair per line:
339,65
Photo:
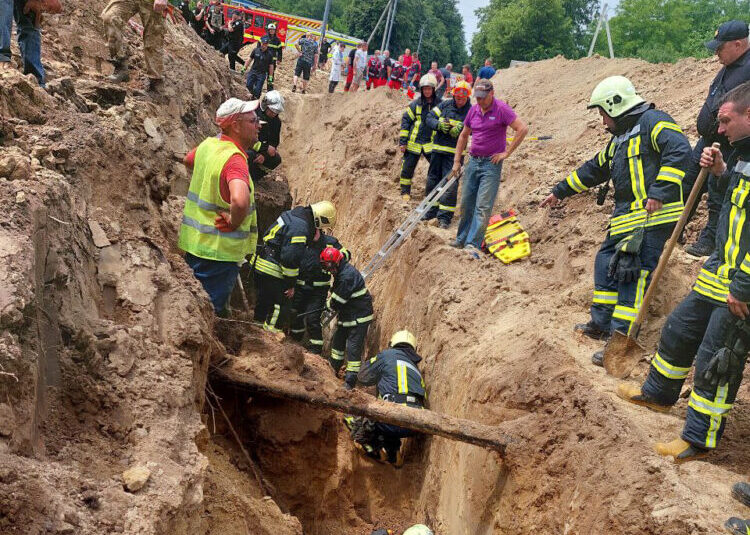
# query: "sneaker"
680,450
472,250
741,493
592,331
700,248
456,244
632,393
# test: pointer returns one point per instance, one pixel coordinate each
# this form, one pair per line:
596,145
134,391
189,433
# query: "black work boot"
738,526
155,85
598,358
592,331
702,247
121,72
741,493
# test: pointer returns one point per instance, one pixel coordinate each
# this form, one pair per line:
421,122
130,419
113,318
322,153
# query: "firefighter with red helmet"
351,301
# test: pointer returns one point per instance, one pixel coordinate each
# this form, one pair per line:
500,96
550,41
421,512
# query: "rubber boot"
406,197
632,393
681,451
350,380
741,493
121,72
738,526
592,331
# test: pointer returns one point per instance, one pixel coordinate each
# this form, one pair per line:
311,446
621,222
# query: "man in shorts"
307,61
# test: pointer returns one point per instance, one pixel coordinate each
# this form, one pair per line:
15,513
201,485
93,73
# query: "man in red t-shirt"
215,266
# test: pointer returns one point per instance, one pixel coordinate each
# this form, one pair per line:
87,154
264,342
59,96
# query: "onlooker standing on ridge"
374,68
487,123
214,23
360,64
115,16
440,91
396,79
262,65
337,67
235,39
447,73
414,72
307,61
466,73
488,71
325,47
219,223
29,38
197,21
733,50
350,68
385,70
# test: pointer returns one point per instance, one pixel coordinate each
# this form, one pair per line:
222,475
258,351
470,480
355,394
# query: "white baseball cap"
235,106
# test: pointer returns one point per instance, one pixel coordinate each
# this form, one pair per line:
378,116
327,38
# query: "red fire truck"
256,22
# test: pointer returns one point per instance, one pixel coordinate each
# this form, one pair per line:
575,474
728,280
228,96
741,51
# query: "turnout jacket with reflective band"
415,133
310,273
198,235
442,141
349,296
285,244
274,43
394,371
647,161
727,270
270,133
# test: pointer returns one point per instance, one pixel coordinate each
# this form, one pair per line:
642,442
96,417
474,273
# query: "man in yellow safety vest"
219,223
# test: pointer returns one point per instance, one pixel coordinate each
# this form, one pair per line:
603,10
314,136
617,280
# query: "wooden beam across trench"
359,403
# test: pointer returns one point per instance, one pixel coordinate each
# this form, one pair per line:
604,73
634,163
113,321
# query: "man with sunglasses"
219,223
730,44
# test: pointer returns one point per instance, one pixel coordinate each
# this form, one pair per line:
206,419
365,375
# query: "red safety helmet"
330,258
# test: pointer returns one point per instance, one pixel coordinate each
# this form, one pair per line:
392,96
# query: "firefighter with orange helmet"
447,121
352,302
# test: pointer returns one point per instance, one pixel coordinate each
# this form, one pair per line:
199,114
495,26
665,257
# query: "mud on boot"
737,526
700,248
592,331
681,451
741,493
632,393
121,72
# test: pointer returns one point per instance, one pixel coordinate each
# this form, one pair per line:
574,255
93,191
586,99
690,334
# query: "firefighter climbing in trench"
711,325
415,137
645,159
352,303
398,380
267,156
278,261
311,291
446,120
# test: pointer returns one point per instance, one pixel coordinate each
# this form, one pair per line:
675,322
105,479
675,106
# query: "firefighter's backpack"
505,238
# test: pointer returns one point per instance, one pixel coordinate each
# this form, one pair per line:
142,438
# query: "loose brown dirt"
106,339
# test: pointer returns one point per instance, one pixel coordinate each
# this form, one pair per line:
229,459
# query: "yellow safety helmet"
418,529
615,95
324,214
404,337
428,79
462,87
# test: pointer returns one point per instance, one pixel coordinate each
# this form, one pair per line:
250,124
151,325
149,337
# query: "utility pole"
421,33
387,8
603,18
390,29
326,11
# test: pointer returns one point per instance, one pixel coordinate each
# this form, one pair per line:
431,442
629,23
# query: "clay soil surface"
107,340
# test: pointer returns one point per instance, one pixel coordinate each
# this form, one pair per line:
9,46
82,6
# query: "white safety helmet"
418,529
272,26
273,101
428,79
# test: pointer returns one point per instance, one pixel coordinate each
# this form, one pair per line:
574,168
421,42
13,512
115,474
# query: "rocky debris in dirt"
134,479
7,419
98,235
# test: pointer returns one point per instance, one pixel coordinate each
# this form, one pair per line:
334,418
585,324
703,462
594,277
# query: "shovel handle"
667,252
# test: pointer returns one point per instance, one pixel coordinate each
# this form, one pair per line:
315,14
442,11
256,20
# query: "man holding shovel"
711,324
645,159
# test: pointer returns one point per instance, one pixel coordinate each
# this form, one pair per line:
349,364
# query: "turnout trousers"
694,331
408,165
616,304
349,342
269,300
310,302
440,165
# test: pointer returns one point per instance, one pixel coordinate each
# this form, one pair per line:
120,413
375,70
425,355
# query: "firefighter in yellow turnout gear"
415,137
645,160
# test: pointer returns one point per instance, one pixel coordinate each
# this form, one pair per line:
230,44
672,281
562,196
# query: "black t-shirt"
261,59
324,48
236,33
352,53
728,78
198,24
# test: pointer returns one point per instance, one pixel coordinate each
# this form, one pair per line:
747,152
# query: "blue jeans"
218,279
480,184
29,37
255,81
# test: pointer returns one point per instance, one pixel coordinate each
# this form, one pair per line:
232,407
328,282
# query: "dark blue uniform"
443,153
353,303
311,292
278,262
647,161
398,380
416,136
697,328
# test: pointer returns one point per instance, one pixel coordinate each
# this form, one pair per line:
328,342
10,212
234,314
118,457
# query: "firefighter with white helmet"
267,155
415,136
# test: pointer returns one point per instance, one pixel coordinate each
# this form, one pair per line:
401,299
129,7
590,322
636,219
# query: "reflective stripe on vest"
198,234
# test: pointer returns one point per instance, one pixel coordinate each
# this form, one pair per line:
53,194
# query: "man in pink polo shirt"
487,123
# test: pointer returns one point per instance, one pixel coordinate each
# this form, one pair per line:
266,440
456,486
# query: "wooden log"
359,403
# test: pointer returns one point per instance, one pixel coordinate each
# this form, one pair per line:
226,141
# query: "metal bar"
387,7
609,37
596,32
326,11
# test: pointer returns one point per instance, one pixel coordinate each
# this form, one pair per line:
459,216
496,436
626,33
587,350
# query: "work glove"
727,364
624,267
269,83
444,126
456,130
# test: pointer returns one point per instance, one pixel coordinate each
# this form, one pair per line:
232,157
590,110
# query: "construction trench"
111,357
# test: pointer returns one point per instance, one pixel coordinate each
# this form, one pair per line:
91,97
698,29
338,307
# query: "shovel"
622,352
